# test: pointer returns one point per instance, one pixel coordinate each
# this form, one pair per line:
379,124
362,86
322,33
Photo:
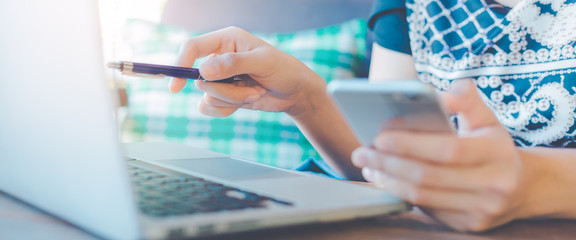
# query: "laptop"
60,148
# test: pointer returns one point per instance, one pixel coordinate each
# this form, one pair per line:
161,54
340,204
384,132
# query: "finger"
419,173
177,84
215,102
457,220
477,218
235,63
231,93
201,46
431,147
422,196
214,111
235,52
463,98
223,40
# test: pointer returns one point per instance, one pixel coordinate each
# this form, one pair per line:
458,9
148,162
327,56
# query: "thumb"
218,66
463,98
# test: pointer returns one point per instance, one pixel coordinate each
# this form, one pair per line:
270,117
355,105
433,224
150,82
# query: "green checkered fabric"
154,114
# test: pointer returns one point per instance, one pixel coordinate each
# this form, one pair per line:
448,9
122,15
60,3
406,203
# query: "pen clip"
151,76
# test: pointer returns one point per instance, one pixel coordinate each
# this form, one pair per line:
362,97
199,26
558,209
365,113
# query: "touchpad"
228,168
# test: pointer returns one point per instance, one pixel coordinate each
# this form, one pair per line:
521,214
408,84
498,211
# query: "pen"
160,71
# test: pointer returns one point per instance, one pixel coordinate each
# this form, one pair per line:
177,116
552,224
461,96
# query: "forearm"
550,185
327,130
387,64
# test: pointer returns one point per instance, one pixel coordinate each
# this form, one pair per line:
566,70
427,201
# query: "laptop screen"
58,142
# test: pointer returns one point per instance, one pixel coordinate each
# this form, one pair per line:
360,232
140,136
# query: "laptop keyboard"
163,194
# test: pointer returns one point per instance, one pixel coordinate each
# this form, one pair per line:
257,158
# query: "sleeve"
388,23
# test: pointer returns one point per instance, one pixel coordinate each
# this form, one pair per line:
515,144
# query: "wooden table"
20,221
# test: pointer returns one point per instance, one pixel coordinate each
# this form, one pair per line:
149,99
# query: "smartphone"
371,108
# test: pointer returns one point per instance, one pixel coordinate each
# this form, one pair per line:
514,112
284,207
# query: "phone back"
370,108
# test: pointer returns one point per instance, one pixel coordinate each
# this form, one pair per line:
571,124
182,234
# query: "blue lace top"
523,60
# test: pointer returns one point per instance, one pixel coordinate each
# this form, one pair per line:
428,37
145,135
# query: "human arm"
550,183
391,59
477,179
338,155
292,88
388,64
284,84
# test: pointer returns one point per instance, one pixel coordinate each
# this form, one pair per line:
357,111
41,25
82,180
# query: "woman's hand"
471,181
282,83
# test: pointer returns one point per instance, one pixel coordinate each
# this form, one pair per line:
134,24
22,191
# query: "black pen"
160,71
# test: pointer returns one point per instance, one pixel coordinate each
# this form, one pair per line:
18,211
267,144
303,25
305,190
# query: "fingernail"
360,157
368,174
458,87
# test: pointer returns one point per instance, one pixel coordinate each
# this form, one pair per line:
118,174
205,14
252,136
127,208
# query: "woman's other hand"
471,181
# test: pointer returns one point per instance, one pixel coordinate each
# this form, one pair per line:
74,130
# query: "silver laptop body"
60,150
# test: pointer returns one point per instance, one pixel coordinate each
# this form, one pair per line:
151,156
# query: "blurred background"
329,36
113,16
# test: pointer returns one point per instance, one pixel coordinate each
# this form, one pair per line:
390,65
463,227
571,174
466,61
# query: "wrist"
548,184
529,200
318,117
311,98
